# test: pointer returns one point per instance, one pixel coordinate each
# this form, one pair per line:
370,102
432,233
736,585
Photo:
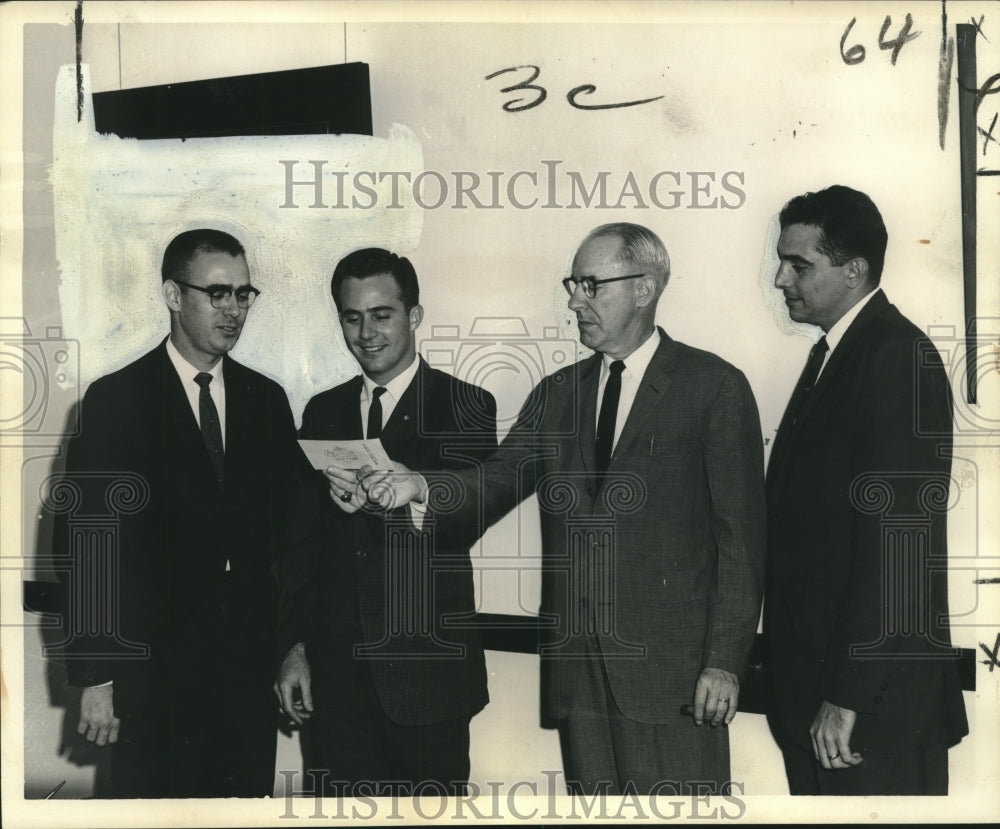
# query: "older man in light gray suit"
647,460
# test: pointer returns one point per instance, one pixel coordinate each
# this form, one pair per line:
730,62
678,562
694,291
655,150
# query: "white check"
348,454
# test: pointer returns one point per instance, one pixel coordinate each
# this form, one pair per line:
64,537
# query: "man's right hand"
294,676
97,715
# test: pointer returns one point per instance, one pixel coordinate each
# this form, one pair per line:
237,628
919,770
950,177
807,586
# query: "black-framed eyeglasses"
219,295
590,283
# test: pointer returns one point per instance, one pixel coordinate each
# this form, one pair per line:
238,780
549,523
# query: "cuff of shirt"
417,513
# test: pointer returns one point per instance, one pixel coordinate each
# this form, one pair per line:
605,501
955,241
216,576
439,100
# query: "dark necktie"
806,382
375,414
609,416
211,431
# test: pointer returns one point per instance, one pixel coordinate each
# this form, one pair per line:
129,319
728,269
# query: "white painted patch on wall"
118,202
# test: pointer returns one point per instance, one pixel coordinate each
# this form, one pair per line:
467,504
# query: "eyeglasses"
219,295
590,283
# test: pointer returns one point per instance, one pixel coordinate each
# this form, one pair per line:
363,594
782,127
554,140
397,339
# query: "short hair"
368,262
639,246
849,222
185,246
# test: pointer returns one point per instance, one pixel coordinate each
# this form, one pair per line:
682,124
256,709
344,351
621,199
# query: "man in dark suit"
865,680
377,655
170,616
647,460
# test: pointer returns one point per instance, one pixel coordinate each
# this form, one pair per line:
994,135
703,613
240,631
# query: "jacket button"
884,687
361,554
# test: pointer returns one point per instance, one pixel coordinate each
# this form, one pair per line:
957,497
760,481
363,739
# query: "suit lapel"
843,353
241,436
586,412
345,415
648,399
180,429
404,415
783,449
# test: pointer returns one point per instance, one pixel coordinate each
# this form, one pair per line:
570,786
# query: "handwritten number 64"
521,104
856,53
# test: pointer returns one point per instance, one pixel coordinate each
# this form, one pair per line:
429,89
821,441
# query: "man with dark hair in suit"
647,461
377,657
865,680
170,621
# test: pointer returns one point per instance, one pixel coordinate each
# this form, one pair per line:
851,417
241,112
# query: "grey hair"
640,246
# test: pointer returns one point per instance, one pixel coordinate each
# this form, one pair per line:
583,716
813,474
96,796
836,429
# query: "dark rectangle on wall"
314,101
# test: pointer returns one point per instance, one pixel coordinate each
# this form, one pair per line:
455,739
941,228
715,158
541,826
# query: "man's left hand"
831,736
716,696
388,489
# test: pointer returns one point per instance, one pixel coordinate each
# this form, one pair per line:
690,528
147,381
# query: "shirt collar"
397,385
638,361
839,328
188,372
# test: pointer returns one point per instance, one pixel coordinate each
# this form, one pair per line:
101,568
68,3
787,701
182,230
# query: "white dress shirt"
394,390
839,328
217,388
635,367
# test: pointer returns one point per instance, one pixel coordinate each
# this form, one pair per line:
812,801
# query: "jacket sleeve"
734,466
469,501
482,430
93,647
296,568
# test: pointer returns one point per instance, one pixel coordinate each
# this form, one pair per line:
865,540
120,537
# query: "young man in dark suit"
378,659
170,617
865,679
647,461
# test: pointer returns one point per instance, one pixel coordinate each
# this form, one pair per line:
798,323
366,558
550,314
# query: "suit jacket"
375,590
144,530
857,540
664,563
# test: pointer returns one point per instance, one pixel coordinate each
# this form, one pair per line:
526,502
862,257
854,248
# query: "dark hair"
367,262
849,222
185,246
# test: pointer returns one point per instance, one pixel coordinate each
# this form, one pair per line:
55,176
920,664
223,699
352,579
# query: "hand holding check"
345,490
367,488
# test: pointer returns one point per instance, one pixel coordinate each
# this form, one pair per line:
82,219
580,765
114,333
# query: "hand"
716,696
393,488
831,735
345,491
97,715
293,676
